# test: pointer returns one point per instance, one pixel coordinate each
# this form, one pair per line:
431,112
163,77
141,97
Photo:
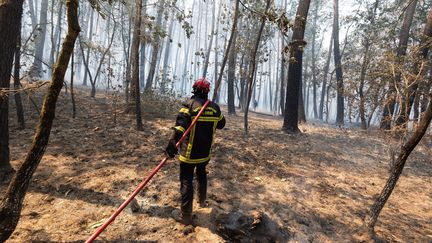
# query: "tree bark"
389,107
338,66
10,207
231,75
297,44
398,166
135,63
10,22
301,106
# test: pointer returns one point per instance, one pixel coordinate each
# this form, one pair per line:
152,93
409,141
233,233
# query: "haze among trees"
306,67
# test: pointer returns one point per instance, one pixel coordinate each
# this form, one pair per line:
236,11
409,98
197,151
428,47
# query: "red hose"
144,182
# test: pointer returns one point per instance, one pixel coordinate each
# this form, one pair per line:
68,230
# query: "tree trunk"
283,64
17,83
252,66
135,62
216,49
212,36
186,63
338,66
290,123
365,65
389,107
324,84
303,93
231,75
313,68
275,100
32,14
72,87
398,166
10,22
282,84
167,56
36,69
270,92
10,207
243,71
155,50
55,33
142,65
126,48
87,57
233,30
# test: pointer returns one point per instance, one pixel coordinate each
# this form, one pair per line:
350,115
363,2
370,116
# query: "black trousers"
186,185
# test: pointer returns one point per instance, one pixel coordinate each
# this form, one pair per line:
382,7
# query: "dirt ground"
313,187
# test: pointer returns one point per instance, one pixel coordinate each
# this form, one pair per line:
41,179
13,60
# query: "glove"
171,149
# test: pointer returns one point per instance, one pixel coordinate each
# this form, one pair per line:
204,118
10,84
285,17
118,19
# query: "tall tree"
390,104
231,75
143,50
338,66
314,58
283,64
325,75
252,66
135,63
126,40
10,207
10,22
297,44
225,59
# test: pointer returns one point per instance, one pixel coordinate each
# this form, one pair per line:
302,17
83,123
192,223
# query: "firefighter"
195,151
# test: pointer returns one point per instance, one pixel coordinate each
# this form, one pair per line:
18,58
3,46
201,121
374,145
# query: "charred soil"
268,186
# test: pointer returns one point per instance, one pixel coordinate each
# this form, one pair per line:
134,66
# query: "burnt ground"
316,186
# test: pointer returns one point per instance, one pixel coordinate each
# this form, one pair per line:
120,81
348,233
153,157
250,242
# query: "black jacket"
196,148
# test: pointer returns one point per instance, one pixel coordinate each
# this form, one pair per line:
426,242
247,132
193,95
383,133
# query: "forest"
328,106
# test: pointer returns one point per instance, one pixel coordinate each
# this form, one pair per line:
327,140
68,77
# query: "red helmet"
201,86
